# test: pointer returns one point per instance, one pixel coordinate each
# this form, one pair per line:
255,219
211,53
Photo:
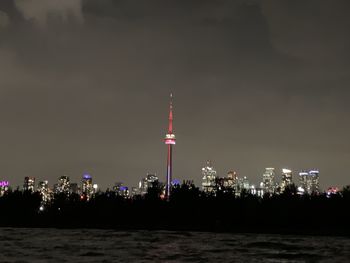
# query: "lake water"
80,245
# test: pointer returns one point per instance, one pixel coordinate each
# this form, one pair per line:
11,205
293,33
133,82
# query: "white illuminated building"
309,182
63,185
29,184
147,183
269,184
243,184
209,178
44,190
286,179
87,186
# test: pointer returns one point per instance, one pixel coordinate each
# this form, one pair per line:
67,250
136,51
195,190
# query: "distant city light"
87,176
286,171
175,182
4,183
314,172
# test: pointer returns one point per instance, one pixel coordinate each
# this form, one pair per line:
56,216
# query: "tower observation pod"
169,141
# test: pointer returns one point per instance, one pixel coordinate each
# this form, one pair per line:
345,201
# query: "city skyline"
84,84
279,181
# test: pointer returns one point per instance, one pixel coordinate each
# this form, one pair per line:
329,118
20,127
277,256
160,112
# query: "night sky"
85,84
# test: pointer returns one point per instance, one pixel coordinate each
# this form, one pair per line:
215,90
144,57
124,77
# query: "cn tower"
170,141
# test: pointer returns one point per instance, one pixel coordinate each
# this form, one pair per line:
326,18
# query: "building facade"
29,184
63,185
45,192
269,184
87,188
309,182
147,183
208,178
287,179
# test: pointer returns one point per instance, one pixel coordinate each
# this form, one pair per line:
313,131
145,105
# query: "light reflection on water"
92,245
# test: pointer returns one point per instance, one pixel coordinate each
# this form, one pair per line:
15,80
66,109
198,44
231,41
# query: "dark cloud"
84,87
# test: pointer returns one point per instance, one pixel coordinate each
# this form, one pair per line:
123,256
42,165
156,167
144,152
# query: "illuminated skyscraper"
63,185
29,184
269,180
228,183
314,181
147,182
286,179
44,190
309,181
303,178
243,184
87,186
209,178
232,180
169,141
121,190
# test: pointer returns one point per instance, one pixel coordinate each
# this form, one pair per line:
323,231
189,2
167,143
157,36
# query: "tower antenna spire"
169,141
170,125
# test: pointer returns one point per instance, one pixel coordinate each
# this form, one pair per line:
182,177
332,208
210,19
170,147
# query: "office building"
286,179
149,181
269,184
309,182
44,190
208,178
63,185
87,188
29,184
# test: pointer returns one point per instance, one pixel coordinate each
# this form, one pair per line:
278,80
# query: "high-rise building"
269,180
309,181
169,141
286,179
303,179
209,178
63,185
121,190
29,184
135,191
147,182
243,184
228,183
314,179
87,186
44,190
232,180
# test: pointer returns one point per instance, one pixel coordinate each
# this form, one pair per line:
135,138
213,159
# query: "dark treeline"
187,209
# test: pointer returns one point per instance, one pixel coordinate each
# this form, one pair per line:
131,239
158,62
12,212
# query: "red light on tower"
170,141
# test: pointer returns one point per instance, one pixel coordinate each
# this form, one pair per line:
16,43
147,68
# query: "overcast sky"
84,87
